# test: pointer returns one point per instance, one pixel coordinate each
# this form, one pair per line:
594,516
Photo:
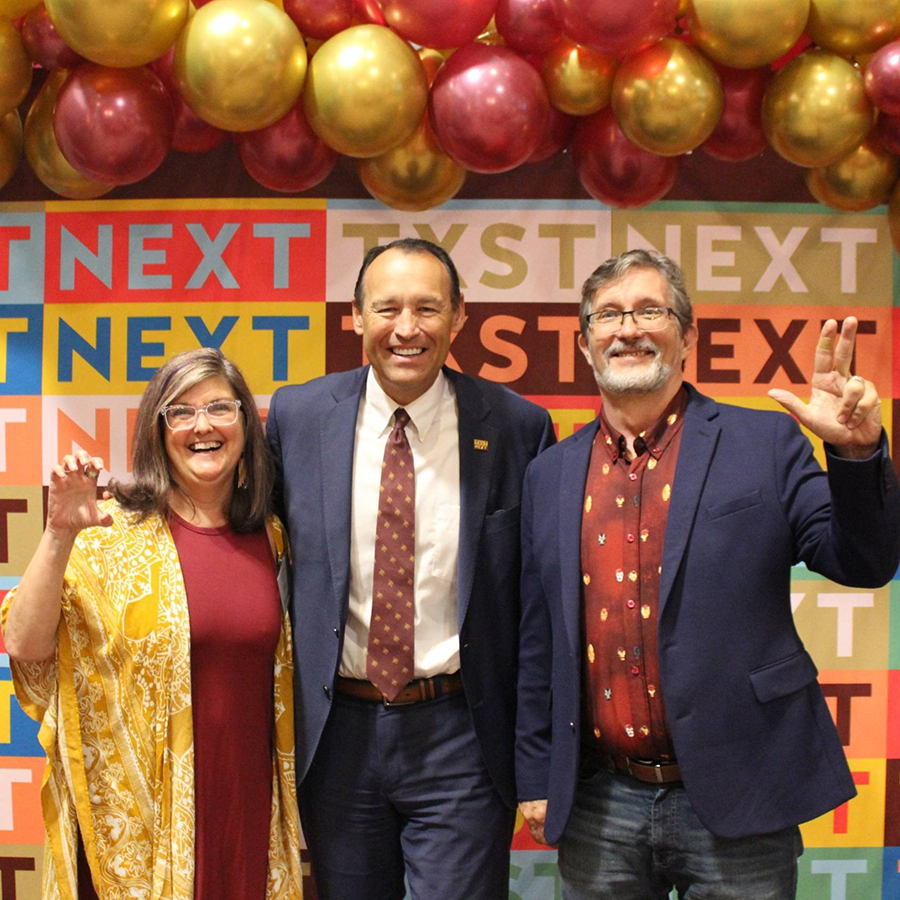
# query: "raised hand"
843,409
72,499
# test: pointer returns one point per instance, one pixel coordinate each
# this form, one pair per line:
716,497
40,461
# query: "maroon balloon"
113,125
43,43
888,130
192,134
287,155
615,171
368,12
559,130
437,23
488,108
616,27
739,134
882,78
320,19
528,26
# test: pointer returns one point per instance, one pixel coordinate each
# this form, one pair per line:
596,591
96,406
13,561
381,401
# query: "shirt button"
631,604
635,670
630,538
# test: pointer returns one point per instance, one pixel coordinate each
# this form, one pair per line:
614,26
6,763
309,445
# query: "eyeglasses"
180,417
648,318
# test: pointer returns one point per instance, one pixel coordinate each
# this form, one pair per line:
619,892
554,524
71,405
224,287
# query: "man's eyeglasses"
180,417
648,318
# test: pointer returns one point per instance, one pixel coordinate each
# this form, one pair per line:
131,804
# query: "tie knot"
401,418
398,433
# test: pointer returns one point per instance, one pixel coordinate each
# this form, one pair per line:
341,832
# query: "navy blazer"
311,429
752,733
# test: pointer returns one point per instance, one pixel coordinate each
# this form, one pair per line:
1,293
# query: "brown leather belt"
648,770
415,692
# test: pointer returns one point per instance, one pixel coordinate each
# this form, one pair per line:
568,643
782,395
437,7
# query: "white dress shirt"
433,435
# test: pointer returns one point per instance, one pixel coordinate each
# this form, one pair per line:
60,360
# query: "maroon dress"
235,614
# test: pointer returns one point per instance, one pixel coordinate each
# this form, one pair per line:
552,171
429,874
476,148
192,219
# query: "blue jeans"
627,840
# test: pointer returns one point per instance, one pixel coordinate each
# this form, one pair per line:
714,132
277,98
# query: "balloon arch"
421,92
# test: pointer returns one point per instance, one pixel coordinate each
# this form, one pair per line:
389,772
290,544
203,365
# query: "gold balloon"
667,98
240,64
15,67
578,80
366,91
490,35
862,179
431,60
12,9
416,175
851,27
745,34
119,33
43,153
10,145
815,110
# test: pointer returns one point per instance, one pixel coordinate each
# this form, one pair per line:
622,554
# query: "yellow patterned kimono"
116,723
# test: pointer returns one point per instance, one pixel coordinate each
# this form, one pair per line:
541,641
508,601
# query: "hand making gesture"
72,498
844,410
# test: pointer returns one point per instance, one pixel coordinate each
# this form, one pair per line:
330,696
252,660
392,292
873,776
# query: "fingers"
846,343
858,399
77,463
791,402
824,358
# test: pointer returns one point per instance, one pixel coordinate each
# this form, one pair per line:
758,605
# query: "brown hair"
153,483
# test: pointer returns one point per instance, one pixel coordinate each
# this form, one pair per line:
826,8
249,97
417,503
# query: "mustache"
620,346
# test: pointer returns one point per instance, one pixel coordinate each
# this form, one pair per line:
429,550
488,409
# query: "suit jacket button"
572,725
327,690
336,632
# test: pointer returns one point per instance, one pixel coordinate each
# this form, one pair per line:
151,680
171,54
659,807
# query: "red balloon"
488,108
888,130
739,135
368,12
528,26
616,27
882,78
192,134
437,23
43,43
320,19
559,130
615,171
287,155
113,125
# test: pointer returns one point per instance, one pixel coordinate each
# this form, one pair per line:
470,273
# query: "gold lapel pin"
480,444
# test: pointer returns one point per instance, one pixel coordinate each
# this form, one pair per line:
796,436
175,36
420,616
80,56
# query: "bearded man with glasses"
670,729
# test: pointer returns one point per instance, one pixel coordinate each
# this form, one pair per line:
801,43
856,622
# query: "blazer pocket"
784,677
754,498
501,518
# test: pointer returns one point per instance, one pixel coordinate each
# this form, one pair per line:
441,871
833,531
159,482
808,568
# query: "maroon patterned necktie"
389,664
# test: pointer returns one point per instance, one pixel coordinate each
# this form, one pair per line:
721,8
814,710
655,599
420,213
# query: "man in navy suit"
670,729
412,777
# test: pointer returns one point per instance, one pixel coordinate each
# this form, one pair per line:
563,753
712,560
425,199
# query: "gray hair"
616,267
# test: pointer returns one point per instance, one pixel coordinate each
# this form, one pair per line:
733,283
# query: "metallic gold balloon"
366,91
432,60
815,110
240,64
122,33
852,27
862,179
578,80
667,98
15,67
416,175
745,34
12,9
490,35
10,145
42,150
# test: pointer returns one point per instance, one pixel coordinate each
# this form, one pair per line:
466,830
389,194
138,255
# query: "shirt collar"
422,411
655,439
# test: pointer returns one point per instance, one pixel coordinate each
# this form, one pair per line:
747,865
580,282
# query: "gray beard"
645,382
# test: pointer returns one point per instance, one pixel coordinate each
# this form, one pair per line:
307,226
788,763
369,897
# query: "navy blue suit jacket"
756,744
311,429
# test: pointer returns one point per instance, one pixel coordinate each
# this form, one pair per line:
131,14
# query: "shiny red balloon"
113,125
488,108
287,155
616,27
192,134
615,171
556,136
368,12
882,78
320,19
43,43
739,134
528,26
437,23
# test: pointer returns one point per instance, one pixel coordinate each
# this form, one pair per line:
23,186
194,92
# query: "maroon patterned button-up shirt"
626,505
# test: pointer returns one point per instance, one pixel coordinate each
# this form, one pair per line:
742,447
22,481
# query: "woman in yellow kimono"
149,637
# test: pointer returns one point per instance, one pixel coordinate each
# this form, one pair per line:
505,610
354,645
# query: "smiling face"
203,459
407,321
631,361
